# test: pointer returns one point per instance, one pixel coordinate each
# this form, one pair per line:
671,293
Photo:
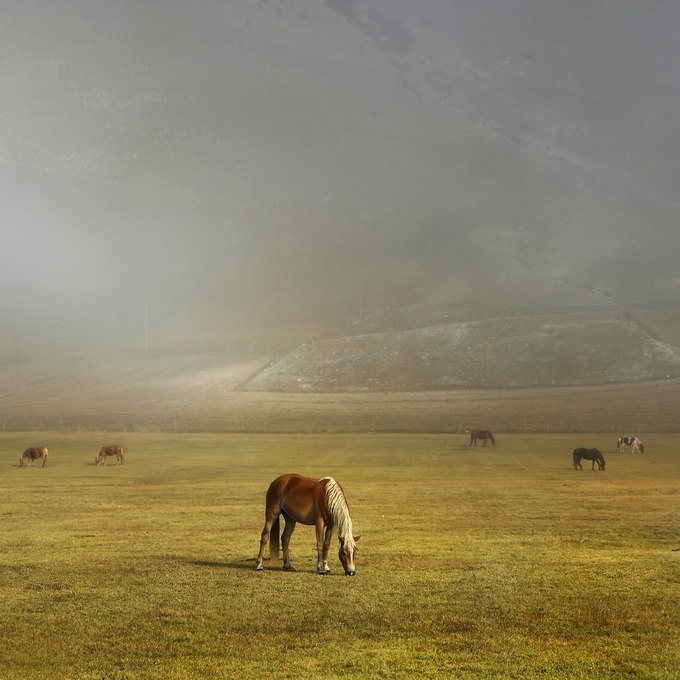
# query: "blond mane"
339,510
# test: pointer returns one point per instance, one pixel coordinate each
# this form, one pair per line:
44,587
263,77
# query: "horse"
33,453
634,442
595,455
111,450
484,435
318,502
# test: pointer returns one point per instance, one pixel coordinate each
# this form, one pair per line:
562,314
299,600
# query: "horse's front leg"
285,542
326,547
322,543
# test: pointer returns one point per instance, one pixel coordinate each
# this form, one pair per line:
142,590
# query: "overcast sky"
202,169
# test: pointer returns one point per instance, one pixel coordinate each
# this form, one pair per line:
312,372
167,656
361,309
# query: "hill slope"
581,348
260,162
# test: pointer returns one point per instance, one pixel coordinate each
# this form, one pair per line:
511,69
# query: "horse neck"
338,509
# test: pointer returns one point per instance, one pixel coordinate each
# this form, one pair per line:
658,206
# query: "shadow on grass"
247,564
472,449
234,564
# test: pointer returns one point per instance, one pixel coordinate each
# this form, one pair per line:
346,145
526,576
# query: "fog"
190,175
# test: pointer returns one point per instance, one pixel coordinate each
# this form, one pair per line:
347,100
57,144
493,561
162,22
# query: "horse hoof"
259,567
288,567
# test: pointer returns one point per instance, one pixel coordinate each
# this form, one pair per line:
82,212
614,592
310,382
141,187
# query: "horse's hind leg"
264,539
285,542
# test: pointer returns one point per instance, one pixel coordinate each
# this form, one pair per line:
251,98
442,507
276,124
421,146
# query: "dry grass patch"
473,563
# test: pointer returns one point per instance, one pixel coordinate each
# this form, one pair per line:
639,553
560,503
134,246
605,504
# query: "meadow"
473,563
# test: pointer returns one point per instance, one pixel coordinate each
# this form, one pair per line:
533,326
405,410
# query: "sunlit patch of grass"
504,563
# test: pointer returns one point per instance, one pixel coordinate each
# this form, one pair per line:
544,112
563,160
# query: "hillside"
280,161
580,348
383,376
339,214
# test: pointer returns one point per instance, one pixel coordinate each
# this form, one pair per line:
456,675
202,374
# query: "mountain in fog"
208,173
549,350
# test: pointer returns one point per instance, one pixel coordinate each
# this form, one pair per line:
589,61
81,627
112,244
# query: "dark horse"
33,453
589,454
320,502
484,435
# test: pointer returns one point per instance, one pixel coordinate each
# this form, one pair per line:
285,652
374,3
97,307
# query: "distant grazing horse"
320,502
111,450
634,442
589,454
33,453
484,435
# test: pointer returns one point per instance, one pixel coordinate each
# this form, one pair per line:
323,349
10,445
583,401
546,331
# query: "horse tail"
642,447
274,534
492,438
45,452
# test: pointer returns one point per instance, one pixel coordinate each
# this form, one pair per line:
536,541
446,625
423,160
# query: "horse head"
347,554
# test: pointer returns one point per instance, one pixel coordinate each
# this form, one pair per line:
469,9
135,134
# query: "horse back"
296,496
35,453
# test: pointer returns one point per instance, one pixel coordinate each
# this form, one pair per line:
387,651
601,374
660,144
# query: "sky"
199,173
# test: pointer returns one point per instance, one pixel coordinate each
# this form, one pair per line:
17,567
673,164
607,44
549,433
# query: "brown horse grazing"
33,453
588,454
111,450
484,435
320,502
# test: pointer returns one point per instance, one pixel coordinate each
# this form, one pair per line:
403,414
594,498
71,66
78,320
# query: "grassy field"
473,563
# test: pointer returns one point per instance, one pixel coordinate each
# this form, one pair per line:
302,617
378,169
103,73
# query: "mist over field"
208,175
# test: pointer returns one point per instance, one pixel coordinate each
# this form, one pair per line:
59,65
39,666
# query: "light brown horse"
484,435
33,453
318,502
111,450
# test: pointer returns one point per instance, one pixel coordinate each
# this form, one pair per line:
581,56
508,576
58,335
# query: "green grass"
473,563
